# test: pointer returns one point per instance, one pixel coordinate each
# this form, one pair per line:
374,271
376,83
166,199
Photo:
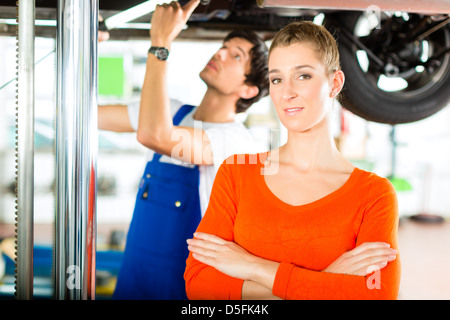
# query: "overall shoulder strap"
181,113
177,118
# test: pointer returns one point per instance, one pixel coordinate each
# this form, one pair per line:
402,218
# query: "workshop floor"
425,258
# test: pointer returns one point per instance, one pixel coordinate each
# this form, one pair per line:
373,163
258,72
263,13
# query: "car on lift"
395,54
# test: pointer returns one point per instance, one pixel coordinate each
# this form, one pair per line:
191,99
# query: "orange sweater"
304,239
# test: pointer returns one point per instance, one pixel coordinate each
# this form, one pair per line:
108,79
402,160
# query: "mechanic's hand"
168,20
102,35
361,260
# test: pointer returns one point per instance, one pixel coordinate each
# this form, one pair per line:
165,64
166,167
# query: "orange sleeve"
380,223
203,281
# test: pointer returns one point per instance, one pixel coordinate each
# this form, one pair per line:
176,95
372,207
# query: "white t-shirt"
226,139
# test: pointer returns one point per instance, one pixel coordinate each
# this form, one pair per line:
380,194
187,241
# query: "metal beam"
76,149
414,6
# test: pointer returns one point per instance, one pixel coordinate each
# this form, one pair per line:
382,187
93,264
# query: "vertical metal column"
25,151
76,149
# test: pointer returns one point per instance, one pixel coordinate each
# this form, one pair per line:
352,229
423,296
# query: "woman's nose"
289,91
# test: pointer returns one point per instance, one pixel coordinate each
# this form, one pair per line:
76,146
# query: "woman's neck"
313,149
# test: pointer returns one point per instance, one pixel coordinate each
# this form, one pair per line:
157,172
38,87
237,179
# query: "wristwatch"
160,52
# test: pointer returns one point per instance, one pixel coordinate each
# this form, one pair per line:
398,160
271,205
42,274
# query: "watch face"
162,53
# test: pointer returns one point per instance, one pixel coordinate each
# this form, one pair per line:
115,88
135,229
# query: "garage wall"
422,159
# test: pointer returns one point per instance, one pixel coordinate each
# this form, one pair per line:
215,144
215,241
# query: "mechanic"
187,145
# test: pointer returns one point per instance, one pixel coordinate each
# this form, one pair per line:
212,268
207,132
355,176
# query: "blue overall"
167,212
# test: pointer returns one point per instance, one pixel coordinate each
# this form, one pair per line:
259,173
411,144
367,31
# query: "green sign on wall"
111,76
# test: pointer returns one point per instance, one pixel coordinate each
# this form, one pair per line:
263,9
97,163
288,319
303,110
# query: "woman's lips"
293,111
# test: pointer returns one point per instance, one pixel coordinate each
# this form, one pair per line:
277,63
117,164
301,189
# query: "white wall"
422,158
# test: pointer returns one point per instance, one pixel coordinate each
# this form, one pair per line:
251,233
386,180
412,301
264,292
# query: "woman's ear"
337,83
248,91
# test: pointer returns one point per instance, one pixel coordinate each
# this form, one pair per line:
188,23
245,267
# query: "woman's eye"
304,77
237,57
276,81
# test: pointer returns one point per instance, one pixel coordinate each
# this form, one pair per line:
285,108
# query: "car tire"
361,93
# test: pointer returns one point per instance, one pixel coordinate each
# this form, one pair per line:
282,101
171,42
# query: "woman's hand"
230,258
225,256
362,260
233,260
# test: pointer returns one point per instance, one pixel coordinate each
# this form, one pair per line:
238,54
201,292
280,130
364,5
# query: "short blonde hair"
318,36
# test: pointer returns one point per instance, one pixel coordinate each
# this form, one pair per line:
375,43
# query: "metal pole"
25,151
76,149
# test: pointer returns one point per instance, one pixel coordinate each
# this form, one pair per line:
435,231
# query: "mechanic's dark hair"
259,73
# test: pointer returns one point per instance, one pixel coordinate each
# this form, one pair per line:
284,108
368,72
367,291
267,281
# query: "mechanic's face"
226,70
300,87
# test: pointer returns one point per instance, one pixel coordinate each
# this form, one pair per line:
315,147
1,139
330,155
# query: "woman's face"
300,86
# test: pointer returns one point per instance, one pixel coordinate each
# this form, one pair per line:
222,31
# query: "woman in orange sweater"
299,222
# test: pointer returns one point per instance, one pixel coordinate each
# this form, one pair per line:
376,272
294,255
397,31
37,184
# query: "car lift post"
76,149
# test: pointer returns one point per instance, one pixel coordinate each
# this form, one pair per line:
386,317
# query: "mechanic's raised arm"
114,117
155,128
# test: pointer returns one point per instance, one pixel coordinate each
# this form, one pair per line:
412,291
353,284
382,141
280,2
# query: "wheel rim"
409,71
